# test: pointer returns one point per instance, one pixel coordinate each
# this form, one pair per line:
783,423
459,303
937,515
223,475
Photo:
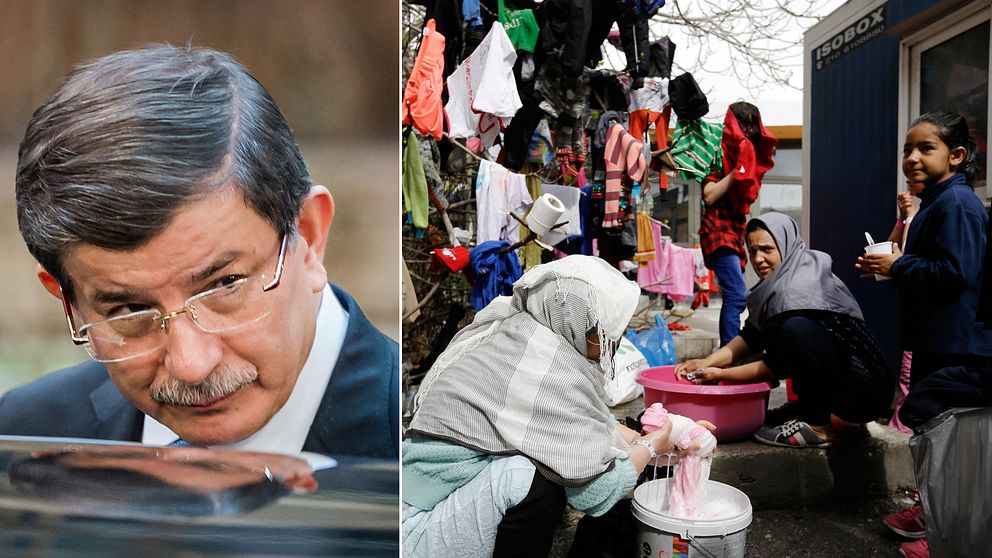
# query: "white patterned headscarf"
517,379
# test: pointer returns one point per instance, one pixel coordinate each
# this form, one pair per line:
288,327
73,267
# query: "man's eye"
227,280
125,309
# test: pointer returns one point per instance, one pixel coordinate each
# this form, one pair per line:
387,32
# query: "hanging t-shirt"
497,191
650,93
482,93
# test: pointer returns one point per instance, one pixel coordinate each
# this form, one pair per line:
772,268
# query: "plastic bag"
656,344
627,362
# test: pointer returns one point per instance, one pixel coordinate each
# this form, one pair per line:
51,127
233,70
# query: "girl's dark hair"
749,118
952,129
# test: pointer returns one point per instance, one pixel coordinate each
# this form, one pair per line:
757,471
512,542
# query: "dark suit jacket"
358,415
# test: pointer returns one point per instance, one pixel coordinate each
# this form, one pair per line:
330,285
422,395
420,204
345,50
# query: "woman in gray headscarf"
511,421
807,326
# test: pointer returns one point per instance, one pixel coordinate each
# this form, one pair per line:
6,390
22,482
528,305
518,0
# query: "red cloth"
748,161
722,225
422,96
641,120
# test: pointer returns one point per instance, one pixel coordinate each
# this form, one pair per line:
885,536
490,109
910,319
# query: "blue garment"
939,276
495,272
472,14
726,263
358,415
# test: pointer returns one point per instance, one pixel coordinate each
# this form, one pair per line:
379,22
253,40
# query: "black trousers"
947,388
528,529
824,379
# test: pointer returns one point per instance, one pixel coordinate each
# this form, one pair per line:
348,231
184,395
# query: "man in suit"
170,209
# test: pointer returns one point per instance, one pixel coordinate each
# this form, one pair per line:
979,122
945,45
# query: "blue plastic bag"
656,343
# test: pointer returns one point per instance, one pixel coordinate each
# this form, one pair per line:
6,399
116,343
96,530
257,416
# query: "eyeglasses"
220,309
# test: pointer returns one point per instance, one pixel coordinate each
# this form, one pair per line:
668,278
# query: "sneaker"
908,522
915,549
792,434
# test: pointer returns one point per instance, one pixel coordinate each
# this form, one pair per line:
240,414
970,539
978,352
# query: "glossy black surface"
79,498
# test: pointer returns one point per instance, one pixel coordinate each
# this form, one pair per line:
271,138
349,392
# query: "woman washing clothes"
807,326
510,423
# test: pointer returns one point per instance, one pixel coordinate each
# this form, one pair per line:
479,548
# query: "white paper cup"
880,248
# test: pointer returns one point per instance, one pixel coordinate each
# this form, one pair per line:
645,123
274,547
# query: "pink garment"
693,472
907,363
673,270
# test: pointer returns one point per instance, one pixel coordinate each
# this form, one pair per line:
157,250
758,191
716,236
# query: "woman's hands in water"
698,371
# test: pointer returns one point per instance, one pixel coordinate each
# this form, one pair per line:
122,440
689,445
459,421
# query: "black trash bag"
688,100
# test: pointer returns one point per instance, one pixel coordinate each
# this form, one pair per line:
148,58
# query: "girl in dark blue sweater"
939,276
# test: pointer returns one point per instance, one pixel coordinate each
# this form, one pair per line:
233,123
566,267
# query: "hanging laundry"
645,240
414,184
648,104
661,53
541,150
696,147
606,120
623,154
645,93
531,253
422,95
498,191
447,16
472,13
748,161
521,26
673,270
688,100
482,93
495,272
430,158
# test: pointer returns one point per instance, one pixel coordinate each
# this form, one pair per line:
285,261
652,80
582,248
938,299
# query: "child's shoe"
908,522
792,434
915,549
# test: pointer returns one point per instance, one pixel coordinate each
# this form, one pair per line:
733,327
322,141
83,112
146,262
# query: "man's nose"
191,353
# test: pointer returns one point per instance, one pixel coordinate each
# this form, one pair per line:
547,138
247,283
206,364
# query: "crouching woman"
805,325
511,421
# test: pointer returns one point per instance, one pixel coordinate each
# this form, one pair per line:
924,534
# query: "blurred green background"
333,67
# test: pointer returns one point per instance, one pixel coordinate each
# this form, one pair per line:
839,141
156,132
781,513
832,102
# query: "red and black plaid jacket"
722,225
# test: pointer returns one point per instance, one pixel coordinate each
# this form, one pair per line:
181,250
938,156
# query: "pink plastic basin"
737,410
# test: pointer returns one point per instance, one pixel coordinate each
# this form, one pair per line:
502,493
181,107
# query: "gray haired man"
170,210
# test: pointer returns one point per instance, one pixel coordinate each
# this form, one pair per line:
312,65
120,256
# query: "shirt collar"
287,430
930,193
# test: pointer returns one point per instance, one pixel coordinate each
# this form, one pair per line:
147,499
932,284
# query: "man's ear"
49,282
315,219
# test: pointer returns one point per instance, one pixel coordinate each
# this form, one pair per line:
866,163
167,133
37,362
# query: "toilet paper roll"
544,214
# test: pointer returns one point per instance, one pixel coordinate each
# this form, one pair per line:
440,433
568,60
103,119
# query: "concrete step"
694,344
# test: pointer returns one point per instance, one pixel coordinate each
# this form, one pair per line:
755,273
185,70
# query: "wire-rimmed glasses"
220,309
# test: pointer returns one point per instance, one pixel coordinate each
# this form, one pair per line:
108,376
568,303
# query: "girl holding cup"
938,272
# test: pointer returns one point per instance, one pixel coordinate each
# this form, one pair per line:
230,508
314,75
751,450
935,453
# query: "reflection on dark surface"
74,498
143,482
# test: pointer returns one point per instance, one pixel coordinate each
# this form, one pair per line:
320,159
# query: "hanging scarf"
803,281
517,381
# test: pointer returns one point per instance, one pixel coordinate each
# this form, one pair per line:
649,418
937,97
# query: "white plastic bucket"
665,536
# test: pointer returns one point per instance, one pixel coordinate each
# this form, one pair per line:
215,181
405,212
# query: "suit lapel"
116,418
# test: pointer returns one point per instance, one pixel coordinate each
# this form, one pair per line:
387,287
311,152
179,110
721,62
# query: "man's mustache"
219,384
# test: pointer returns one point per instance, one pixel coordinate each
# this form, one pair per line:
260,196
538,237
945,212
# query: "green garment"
697,147
433,469
414,183
521,26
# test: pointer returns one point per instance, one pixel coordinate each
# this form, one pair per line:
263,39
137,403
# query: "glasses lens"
232,306
123,337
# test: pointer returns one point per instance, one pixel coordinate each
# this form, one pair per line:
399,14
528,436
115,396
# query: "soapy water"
719,508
